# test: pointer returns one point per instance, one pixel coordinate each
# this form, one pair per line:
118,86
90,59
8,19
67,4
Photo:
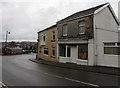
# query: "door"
74,53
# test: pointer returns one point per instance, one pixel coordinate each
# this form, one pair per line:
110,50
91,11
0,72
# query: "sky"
24,18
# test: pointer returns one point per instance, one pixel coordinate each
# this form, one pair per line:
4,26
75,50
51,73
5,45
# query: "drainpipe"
95,42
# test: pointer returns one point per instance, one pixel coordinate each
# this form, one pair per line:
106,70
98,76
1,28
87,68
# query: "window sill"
45,54
82,60
53,56
53,40
111,55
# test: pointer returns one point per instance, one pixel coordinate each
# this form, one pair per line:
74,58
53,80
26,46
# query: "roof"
82,13
48,28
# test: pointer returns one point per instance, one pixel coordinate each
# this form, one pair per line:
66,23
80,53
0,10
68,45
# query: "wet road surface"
19,71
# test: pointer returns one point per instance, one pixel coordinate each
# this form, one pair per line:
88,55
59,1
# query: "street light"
7,32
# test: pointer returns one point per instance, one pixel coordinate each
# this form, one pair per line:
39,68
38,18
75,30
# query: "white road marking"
86,83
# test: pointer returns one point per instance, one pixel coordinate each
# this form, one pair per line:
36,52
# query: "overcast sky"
24,18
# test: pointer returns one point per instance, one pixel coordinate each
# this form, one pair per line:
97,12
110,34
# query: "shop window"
83,52
62,50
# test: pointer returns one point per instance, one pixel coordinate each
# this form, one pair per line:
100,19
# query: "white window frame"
81,26
45,48
53,34
111,46
66,51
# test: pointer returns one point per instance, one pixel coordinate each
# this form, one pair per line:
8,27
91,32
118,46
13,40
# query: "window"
62,50
65,30
82,27
112,48
109,44
53,51
46,51
68,51
118,43
44,37
83,52
53,35
40,50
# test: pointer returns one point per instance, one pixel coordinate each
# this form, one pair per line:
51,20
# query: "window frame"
113,45
65,30
81,27
53,35
53,51
45,48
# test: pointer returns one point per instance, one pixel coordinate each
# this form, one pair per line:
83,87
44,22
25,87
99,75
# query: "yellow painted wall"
48,44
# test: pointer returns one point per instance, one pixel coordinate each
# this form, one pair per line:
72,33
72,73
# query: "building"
89,37
119,10
11,49
47,44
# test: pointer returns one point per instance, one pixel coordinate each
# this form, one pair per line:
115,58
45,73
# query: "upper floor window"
43,37
65,30
82,27
53,35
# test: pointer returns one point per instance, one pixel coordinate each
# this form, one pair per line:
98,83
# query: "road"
17,70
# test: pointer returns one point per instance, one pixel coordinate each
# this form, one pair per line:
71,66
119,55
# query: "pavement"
96,69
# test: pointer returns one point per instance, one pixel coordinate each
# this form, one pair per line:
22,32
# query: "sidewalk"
97,69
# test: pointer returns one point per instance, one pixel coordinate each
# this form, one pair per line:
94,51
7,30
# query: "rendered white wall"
107,32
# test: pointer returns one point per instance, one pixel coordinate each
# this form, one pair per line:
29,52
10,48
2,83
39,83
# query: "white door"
74,54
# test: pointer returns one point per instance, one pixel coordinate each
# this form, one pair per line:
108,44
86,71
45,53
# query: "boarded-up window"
83,52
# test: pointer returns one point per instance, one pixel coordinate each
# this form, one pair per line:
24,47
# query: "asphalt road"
19,71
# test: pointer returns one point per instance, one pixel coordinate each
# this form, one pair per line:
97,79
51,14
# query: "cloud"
24,18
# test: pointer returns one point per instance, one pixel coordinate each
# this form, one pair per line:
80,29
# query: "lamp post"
7,32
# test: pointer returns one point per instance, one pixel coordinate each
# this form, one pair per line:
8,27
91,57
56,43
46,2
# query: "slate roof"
48,28
82,13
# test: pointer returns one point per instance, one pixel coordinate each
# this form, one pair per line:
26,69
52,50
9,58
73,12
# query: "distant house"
11,49
47,44
88,37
